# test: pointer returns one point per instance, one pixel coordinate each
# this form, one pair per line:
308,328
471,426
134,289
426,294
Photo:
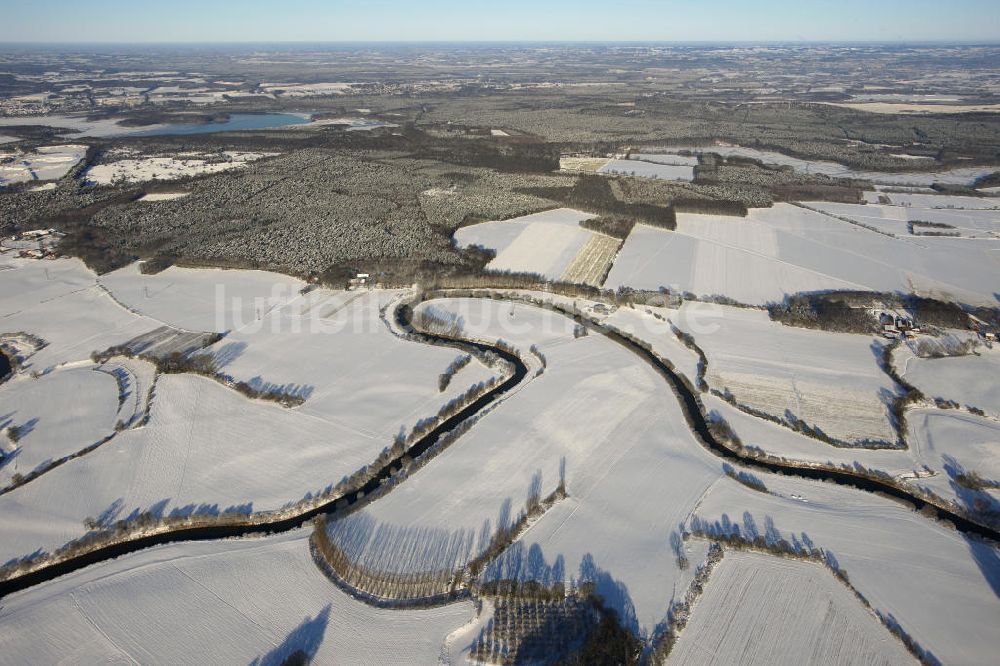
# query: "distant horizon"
513,21
498,42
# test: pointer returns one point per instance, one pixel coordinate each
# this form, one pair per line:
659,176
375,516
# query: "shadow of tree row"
114,521
301,645
771,539
972,494
522,564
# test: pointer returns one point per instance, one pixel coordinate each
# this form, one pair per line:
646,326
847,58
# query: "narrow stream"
699,425
688,400
332,507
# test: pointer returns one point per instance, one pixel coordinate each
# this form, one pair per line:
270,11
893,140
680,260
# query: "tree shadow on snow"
25,428
413,549
303,391
529,564
300,646
976,501
7,458
228,353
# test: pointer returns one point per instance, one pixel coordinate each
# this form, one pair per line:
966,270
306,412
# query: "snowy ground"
544,243
142,169
651,169
781,370
784,250
203,299
240,601
61,302
760,609
592,261
305,89
931,200
965,222
583,164
827,375
958,176
163,196
643,323
676,160
77,125
57,415
45,163
206,445
954,442
941,443
653,257
350,124
941,587
45,187
633,472
969,380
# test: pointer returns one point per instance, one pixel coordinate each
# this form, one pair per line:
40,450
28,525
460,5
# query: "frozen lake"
236,122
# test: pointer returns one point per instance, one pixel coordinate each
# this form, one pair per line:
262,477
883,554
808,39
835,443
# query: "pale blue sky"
480,20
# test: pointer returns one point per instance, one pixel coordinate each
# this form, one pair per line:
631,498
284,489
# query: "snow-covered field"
968,223
941,444
633,472
350,124
77,125
544,243
598,416
305,89
45,163
61,302
955,442
682,261
653,326
972,380
203,299
814,375
931,200
592,261
57,414
205,444
650,169
839,371
163,196
912,108
676,160
956,176
760,609
786,249
245,601
142,169
941,587
583,164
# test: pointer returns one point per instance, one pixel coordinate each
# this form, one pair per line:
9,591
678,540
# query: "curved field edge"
386,589
908,399
137,420
663,641
146,530
720,441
